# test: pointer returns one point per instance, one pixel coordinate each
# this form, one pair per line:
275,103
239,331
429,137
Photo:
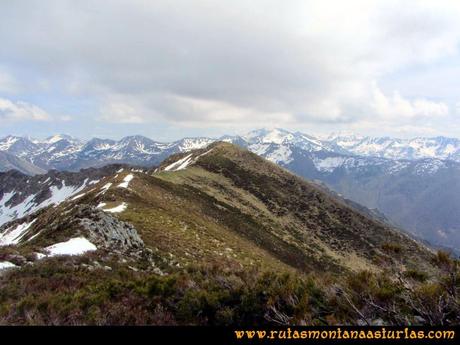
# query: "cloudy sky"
168,69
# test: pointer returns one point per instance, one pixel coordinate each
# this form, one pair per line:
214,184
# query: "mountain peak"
135,137
58,137
229,172
8,141
265,135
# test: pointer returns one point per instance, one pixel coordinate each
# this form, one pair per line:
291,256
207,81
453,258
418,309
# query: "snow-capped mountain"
416,148
262,141
19,146
58,137
63,152
442,148
51,153
259,140
322,162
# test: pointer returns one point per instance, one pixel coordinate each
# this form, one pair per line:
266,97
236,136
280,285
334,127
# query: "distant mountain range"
386,147
63,152
415,183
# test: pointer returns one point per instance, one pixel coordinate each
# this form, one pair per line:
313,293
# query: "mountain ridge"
328,160
67,153
219,172
206,231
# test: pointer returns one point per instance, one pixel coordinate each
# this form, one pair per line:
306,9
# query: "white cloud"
18,111
120,109
301,63
187,111
65,118
7,82
220,113
396,107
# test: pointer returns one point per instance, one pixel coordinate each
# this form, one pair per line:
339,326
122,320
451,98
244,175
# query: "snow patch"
74,246
31,238
259,149
105,187
429,167
78,196
54,139
9,141
40,256
203,154
180,164
189,144
14,234
6,264
397,166
126,181
282,154
117,209
184,165
58,195
328,164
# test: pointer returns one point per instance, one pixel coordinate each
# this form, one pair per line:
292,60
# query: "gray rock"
107,231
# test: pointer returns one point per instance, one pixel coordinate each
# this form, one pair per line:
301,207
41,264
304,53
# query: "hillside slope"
420,196
11,162
215,236
324,230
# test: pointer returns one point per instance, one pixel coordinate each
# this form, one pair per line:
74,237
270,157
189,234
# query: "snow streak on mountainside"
22,195
9,210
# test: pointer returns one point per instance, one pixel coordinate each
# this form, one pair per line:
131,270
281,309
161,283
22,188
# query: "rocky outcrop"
107,231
